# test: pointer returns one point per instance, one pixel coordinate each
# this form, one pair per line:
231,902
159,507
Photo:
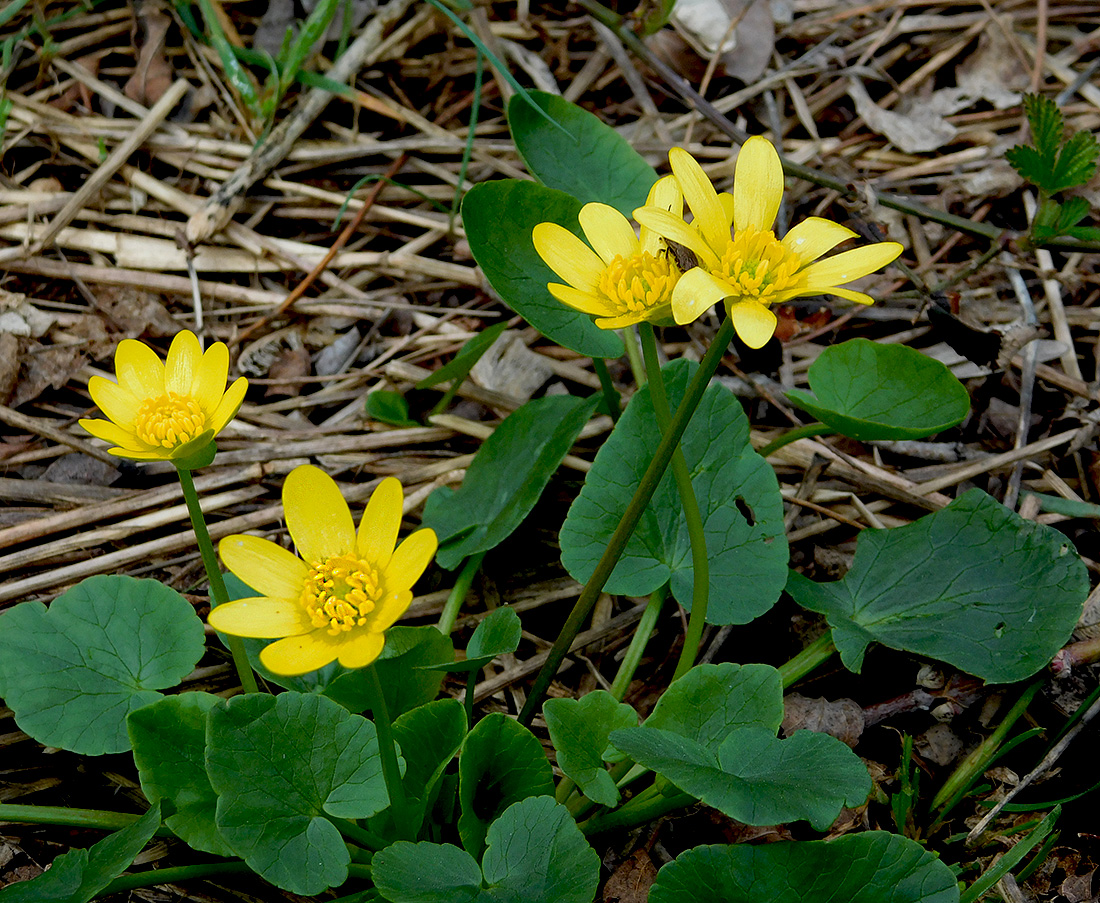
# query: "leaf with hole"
738,496
974,585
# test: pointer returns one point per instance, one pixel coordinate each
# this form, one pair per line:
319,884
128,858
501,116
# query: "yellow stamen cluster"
758,265
169,420
340,593
638,283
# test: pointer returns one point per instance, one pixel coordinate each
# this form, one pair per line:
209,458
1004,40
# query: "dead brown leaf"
292,364
842,718
631,881
153,73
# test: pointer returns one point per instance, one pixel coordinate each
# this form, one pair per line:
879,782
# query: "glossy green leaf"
711,700
738,496
507,476
278,765
406,683
867,390
429,736
874,867
580,731
426,873
80,875
753,776
501,763
73,673
459,368
974,585
169,742
498,218
498,634
389,407
581,156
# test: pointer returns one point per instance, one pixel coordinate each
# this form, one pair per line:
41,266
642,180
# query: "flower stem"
647,806
611,400
154,877
61,815
634,355
646,487
458,594
809,659
214,575
802,432
638,642
700,564
387,750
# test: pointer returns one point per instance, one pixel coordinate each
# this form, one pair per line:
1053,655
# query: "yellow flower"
165,411
751,269
622,281
346,590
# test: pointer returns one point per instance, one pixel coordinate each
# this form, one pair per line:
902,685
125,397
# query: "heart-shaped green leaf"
875,867
426,873
501,763
755,777
498,634
430,736
506,477
80,875
579,154
579,730
974,585
279,764
737,492
74,672
498,218
169,741
867,390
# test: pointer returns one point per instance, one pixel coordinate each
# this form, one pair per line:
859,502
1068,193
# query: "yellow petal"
152,455
653,314
112,432
229,405
851,295
409,561
260,618
706,209
265,566
361,650
119,404
585,302
301,654
184,359
664,195
389,610
757,185
317,515
815,236
726,200
675,229
754,323
139,369
381,520
848,265
608,231
695,293
568,256
209,386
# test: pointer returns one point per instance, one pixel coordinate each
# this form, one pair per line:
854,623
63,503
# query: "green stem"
611,398
458,593
646,807
634,355
387,750
214,575
700,564
648,485
357,835
638,642
809,659
802,432
70,818
173,875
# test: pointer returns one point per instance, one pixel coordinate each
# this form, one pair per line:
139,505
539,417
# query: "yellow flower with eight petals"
751,269
621,279
337,600
165,411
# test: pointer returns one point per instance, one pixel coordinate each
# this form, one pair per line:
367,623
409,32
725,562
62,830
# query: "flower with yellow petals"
620,279
750,269
337,600
165,411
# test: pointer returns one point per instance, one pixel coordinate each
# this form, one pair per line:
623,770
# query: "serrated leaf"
463,362
169,742
874,867
1071,212
974,585
430,736
753,776
1075,164
426,873
501,763
278,765
866,390
738,496
583,157
498,218
1045,120
579,730
74,672
506,477
389,407
80,875
1029,164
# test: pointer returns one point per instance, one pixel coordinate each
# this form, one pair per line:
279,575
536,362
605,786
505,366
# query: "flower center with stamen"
340,593
640,282
169,420
758,265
